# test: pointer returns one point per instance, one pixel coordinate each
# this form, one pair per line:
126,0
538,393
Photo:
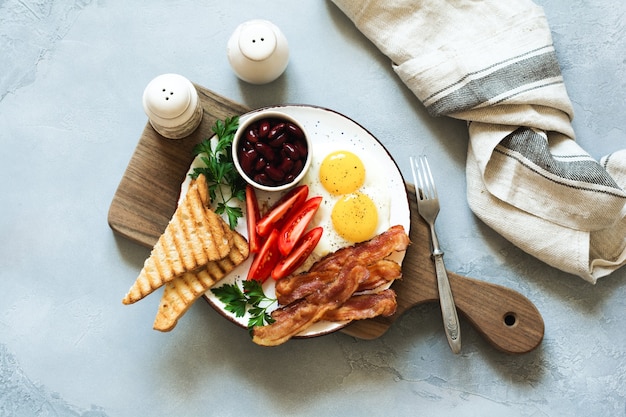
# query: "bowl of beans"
271,150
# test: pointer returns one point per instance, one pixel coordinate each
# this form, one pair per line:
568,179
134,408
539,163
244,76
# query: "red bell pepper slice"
252,217
296,224
272,219
297,257
267,258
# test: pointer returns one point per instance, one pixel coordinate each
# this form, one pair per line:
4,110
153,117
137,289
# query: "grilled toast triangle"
195,236
182,291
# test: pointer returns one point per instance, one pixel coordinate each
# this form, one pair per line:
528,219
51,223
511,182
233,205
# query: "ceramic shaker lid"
167,97
258,51
172,105
257,40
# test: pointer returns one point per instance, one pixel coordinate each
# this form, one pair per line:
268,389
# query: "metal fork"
428,207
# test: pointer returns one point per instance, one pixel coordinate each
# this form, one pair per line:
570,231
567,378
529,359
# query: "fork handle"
446,302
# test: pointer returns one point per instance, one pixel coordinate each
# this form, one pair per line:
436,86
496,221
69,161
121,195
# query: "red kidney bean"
264,128
291,151
301,146
294,131
262,178
286,164
260,163
265,150
252,135
276,130
278,140
247,159
297,167
247,145
274,173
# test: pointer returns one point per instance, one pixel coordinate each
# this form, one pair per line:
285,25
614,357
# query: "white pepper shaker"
172,105
258,51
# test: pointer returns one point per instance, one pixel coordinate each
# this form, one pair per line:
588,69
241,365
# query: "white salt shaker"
258,51
172,105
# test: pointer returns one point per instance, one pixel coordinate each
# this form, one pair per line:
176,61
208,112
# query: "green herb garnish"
250,299
220,170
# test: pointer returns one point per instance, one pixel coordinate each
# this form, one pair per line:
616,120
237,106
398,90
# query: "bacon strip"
341,274
295,287
296,317
379,247
364,306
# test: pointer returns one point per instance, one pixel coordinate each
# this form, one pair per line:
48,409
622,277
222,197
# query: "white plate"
325,127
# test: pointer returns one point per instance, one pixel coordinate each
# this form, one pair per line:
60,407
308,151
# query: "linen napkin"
493,64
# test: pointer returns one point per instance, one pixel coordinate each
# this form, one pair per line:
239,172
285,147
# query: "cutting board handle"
506,318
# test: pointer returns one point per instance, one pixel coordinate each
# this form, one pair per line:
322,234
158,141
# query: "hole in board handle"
510,319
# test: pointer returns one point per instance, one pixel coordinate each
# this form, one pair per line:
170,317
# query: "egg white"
374,186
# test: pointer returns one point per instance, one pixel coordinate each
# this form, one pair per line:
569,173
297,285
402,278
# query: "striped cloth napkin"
493,64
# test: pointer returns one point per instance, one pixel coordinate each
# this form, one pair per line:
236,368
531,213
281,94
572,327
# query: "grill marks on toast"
198,234
195,236
181,292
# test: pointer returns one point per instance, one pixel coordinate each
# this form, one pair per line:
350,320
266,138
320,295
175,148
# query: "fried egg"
356,203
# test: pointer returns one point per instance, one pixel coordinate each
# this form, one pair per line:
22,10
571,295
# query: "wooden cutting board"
146,199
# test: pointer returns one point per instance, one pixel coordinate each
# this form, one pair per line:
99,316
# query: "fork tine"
423,178
428,178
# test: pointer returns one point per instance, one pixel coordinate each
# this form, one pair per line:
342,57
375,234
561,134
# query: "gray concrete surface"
71,78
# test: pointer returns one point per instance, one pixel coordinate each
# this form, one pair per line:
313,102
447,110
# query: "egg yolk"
355,217
342,172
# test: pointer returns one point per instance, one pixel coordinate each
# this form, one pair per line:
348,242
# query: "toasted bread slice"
195,236
181,292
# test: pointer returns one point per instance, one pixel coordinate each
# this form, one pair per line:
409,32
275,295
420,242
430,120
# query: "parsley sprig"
252,299
220,170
